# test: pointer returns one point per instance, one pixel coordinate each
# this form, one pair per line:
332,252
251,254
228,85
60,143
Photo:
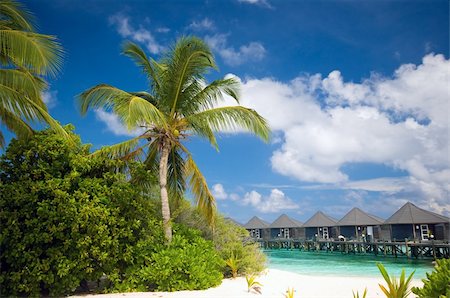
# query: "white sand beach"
274,284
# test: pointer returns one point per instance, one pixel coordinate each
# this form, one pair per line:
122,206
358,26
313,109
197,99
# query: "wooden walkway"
431,249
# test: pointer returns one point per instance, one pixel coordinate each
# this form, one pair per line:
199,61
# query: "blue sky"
356,93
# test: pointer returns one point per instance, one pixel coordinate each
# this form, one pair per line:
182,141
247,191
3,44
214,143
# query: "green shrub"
189,262
437,284
230,240
65,218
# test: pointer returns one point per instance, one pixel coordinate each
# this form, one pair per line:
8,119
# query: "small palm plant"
356,295
289,293
395,288
253,284
234,263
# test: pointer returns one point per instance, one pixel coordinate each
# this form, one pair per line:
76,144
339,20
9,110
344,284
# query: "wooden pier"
429,249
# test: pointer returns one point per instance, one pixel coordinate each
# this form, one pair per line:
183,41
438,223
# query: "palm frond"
151,161
40,53
127,150
41,114
23,82
14,124
232,118
201,128
191,58
176,175
16,15
148,66
131,109
19,103
205,200
145,95
209,97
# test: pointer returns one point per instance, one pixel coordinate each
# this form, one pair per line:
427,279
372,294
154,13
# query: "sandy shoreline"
275,283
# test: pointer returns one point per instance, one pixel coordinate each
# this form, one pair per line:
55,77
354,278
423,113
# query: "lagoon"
337,264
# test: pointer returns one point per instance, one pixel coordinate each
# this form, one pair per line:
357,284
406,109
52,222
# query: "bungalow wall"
282,233
347,231
385,233
300,233
400,232
310,232
262,234
442,231
356,232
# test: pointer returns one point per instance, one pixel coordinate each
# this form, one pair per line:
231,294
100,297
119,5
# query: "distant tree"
180,104
26,57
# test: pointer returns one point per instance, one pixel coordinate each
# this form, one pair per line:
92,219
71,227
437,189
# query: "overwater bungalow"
359,225
413,223
320,226
258,228
286,228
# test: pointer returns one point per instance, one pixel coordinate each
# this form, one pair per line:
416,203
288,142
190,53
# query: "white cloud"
257,2
205,24
162,30
252,52
219,192
50,98
234,197
141,35
114,125
399,121
274,203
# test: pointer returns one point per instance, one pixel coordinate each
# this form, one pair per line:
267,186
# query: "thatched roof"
320,219
357,217
411,214
285,221
256,223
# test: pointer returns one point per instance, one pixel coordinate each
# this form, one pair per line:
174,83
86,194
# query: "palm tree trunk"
163,187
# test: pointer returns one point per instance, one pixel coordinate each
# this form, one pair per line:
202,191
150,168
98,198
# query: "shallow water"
337,264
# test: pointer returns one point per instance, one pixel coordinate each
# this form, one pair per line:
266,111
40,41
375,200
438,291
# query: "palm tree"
180,104
26,57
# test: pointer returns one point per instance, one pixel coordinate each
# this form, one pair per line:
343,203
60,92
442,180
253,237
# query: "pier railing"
429,249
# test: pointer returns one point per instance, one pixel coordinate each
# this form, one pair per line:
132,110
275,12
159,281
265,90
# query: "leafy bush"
230,240
65,218
437,284
189,262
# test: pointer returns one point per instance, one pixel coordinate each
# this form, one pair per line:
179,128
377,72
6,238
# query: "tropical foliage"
230,240
66,218
233,263
253,284
395,288
437,284
290,293
178,105
26,58
189,262
364,294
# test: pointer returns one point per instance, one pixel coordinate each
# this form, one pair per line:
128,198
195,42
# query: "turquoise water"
337,264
